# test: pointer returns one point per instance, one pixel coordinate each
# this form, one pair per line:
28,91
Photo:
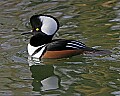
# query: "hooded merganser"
41,44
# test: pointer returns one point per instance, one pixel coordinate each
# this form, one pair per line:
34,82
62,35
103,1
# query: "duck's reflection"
44,78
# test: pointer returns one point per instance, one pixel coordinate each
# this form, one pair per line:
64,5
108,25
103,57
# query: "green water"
94,22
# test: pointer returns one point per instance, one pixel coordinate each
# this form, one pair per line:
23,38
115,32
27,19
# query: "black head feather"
40,39
35,22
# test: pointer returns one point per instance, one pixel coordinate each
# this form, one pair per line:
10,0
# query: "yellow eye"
37,29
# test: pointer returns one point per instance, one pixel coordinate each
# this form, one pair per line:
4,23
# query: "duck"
42,45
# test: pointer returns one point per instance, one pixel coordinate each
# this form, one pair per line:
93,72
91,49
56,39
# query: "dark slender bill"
27,33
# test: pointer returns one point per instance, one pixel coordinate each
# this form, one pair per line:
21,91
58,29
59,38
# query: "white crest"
32,49
49,25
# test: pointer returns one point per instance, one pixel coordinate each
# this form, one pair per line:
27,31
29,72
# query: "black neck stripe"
37,50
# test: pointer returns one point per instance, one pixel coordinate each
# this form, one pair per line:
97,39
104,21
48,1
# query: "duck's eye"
37,29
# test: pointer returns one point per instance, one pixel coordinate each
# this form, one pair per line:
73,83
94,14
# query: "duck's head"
44,23
43,29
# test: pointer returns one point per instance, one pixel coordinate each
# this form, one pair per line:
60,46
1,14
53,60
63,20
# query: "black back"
62,44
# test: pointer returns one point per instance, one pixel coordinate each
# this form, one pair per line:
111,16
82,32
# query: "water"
94,22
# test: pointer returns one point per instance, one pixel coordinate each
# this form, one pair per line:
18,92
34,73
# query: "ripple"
89,75
116,93
18,59
6,93
117,27
6,46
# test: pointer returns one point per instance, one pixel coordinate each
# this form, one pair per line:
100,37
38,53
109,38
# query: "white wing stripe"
78,43
75,45
72,47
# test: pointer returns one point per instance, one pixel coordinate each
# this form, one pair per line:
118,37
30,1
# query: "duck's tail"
97,52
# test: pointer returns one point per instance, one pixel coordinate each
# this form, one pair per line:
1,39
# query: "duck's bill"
25,33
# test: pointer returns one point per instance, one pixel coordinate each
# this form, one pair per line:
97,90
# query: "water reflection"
56,78
44,77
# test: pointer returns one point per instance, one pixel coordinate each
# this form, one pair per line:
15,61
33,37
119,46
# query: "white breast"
32,49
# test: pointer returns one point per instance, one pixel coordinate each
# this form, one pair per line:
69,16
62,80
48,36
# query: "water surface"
94,22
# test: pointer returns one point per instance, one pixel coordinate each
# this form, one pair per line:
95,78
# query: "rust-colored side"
61,54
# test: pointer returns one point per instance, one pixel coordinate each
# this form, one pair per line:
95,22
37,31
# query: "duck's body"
42,46
59,48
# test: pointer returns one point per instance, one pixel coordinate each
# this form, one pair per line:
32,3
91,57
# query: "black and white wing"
62,44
